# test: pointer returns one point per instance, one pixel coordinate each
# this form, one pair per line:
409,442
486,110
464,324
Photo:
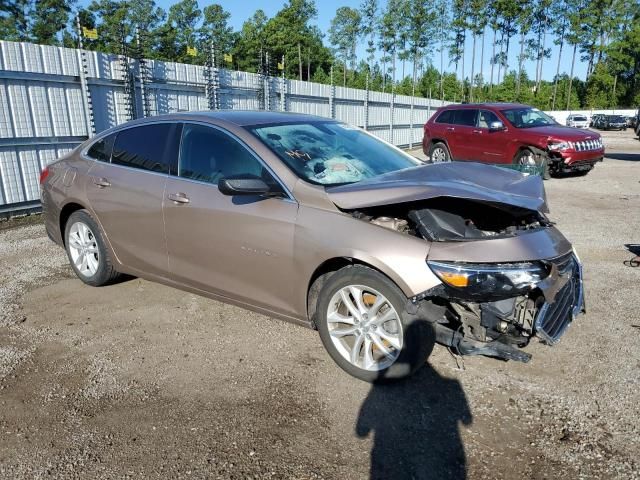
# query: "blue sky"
241,10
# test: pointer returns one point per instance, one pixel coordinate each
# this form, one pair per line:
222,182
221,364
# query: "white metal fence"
52,98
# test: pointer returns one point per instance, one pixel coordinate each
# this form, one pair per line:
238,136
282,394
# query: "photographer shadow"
415,424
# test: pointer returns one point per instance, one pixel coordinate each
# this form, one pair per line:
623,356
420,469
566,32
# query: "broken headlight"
489,281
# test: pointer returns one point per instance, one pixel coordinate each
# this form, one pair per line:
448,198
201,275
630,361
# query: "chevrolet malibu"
317,222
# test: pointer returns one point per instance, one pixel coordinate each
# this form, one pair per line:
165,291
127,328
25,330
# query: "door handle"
450,129
101,182
178,198
477,131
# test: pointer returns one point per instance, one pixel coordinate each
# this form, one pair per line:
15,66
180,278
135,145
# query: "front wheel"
526,158
364,327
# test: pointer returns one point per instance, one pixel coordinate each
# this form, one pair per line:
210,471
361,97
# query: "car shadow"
415,427
629,157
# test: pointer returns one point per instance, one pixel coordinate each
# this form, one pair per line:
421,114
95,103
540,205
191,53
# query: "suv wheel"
439,153
86,250
364,327
526,157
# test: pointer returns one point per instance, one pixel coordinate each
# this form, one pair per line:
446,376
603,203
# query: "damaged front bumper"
501,328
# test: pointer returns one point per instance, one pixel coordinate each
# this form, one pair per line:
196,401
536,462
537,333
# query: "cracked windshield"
330,153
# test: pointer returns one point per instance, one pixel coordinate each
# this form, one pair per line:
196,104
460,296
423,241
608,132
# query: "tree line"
413,47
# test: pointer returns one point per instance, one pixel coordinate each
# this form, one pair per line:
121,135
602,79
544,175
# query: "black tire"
541,161
418,335
439,147
105,272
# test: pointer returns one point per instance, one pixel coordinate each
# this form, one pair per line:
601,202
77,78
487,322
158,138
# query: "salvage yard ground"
140,380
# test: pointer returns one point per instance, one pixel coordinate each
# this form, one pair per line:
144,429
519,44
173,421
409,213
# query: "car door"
236,246
490,145
126,195
462,133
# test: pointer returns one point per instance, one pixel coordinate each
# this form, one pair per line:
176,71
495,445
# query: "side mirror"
496,126
248,185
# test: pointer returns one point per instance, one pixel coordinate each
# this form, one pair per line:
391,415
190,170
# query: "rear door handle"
101,182
450,129
178,198
477,131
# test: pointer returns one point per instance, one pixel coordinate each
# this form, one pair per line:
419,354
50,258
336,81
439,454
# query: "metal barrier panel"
43,113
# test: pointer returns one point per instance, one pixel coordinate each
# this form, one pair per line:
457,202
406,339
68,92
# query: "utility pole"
300,60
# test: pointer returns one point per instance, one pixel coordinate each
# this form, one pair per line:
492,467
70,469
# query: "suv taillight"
44,174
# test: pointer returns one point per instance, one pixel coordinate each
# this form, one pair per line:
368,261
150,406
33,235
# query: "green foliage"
603,33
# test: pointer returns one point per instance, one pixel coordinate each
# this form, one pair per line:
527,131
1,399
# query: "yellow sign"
280,66
192,51
91,33
228,57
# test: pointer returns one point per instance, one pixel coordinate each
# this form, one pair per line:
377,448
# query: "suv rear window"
445,117
143,147
580,119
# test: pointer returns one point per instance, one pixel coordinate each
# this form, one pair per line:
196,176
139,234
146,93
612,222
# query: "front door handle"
450,129
101,182
477,131
178,198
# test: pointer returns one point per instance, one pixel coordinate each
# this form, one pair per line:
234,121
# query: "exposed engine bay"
453,219
486,309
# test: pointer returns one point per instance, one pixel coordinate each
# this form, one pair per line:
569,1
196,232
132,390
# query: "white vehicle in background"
577,121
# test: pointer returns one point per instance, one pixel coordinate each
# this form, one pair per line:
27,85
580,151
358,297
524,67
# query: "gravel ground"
140,380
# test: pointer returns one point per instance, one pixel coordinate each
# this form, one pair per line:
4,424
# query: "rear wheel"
526,158
364,327
87,251
439,153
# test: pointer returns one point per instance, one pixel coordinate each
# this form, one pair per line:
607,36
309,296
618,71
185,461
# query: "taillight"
44,174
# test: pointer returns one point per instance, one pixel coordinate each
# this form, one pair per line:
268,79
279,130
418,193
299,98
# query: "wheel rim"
83,249
438,155
364,327
527,159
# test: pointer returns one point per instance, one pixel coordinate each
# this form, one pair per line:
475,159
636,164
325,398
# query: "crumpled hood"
473,181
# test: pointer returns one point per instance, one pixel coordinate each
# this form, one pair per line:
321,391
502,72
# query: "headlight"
490,281
559,146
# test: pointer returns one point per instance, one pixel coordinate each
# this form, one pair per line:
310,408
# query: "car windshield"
580,119
331,153
615,118
526,117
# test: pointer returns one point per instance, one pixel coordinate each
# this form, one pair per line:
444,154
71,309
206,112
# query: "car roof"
240,118
496,105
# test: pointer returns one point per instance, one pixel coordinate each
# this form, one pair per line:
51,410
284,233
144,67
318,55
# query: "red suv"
509,133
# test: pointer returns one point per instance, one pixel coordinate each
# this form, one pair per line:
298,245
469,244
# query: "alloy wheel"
528,159
438,155
83,249
364,327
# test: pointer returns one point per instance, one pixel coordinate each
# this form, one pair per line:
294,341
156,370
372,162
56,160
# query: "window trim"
288,193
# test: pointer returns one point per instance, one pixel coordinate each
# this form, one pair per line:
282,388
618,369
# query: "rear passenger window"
466,117
143,147
101,150
445,117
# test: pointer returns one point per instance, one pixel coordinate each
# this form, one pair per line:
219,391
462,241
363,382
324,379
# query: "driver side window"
207,155
486,118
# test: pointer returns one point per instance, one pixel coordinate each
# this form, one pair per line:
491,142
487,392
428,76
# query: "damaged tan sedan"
318,222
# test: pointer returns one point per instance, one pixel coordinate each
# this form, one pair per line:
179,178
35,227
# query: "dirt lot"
140,380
